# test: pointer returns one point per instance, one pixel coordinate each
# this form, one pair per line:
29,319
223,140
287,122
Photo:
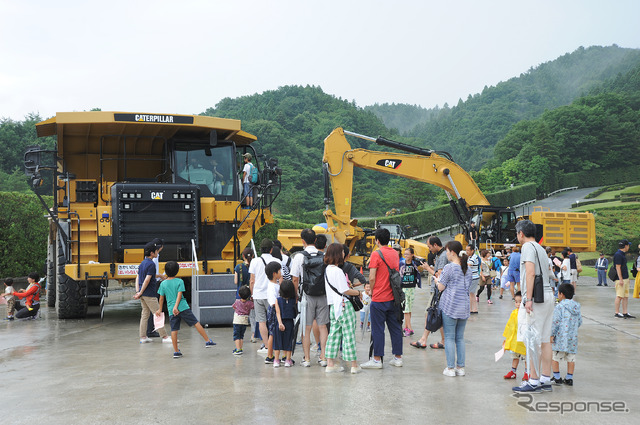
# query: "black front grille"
144,211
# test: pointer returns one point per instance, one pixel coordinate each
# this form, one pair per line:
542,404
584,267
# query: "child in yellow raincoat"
511,343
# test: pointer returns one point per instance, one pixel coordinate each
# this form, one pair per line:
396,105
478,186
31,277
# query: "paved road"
87,371
560,202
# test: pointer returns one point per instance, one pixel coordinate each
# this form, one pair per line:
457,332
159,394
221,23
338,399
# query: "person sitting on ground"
31,297
172,290
564,334
511,343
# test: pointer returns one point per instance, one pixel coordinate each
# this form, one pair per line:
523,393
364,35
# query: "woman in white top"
565,268
341,312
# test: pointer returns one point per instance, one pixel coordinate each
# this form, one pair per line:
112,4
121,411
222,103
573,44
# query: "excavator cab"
497,225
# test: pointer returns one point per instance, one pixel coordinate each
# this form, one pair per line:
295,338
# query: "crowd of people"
315,292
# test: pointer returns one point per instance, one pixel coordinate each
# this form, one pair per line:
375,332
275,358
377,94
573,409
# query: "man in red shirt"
382,305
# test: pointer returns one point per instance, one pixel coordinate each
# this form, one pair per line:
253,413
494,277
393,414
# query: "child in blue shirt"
172,289
564,333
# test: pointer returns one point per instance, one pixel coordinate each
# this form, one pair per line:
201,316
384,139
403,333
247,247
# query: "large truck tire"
51,274
71,299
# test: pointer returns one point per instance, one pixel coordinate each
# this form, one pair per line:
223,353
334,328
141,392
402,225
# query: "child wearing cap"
147,291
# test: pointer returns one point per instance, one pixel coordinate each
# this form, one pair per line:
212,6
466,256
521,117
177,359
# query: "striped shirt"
474,265
454,301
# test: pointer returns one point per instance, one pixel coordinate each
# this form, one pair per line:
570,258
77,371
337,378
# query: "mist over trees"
579,112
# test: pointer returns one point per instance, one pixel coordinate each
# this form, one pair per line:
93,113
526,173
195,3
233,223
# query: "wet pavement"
88,371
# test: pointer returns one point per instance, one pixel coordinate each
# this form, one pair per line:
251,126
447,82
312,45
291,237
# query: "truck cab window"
213,173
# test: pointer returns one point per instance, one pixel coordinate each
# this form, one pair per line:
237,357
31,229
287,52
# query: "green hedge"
437,218
615,223
23,234
594,178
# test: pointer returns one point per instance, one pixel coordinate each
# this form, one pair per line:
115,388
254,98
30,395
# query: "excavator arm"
421,164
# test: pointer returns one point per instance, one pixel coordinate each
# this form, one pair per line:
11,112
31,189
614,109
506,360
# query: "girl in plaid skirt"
342,314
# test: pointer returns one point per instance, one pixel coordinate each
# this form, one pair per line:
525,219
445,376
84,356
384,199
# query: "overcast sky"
184,56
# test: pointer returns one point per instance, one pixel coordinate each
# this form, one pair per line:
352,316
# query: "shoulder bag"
355,301
434,314
538,284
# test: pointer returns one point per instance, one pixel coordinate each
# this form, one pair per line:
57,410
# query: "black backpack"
395,280
313,268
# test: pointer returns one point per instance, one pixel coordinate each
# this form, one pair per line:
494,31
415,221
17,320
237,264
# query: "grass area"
612,194
603,205
590,271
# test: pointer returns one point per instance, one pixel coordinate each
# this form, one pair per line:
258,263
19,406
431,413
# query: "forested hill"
471,129
595,134
291,124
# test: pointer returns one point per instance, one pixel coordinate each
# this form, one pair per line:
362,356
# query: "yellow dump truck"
122,179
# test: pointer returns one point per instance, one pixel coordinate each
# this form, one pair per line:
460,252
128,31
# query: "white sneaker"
322,363
145,340
396,362
334,369
371,364
305,363
263,350
448,372
167,340
460,371
356,369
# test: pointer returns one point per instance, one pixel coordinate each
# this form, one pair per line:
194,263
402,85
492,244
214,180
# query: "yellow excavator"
496,225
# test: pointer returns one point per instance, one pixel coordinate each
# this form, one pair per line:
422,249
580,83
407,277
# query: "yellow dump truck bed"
563,229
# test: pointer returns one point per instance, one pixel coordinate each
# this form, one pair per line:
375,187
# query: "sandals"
417,344
437,345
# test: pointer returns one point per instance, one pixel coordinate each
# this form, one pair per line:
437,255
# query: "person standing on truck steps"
246,179
147,292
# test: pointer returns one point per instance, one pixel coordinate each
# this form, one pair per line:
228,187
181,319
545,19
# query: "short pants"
622,291
563,356
186,315
409,296
317,309
261,306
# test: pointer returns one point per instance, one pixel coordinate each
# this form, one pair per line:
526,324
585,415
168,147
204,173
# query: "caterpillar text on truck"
122,179
496,225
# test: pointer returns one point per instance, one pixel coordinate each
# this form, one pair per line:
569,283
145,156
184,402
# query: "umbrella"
532,340
366,320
